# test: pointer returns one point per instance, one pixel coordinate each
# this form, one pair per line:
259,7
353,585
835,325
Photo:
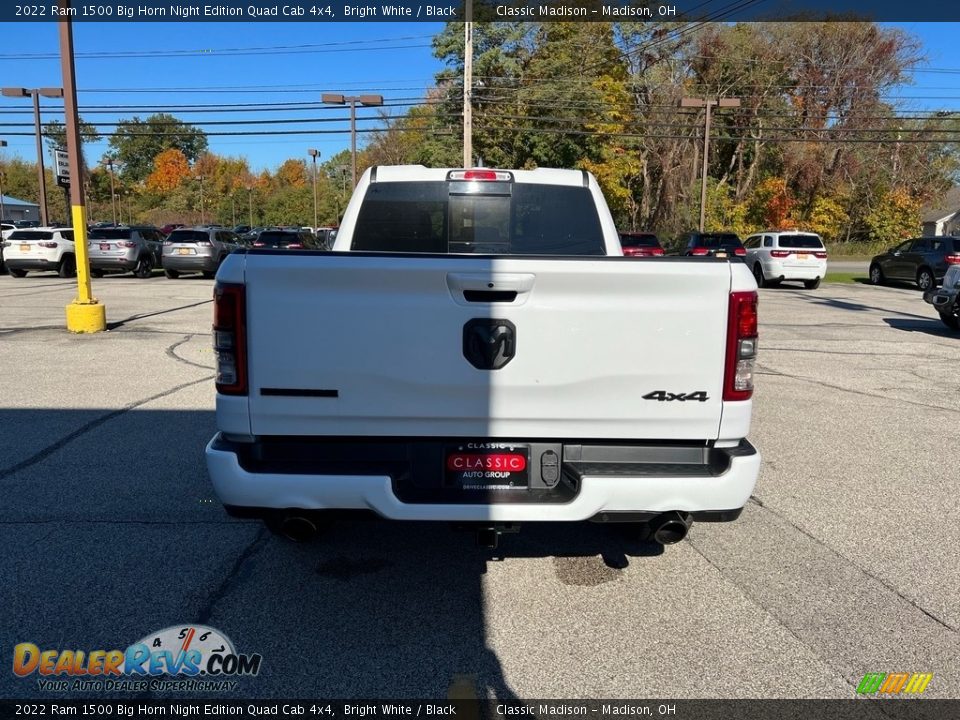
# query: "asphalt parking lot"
844,562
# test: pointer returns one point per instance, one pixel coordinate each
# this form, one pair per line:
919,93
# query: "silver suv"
197,249
125,249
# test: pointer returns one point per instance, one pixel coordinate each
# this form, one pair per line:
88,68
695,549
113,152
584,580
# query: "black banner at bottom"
859,709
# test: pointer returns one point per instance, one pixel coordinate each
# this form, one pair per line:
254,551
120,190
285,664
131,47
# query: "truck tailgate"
348,344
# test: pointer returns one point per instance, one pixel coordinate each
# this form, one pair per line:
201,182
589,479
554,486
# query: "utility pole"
369,101
314,154
35,93
233,209
468,86
85,314
3,143
707,103
250,200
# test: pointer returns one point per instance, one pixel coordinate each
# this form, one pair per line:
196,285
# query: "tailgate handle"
490,296
490,287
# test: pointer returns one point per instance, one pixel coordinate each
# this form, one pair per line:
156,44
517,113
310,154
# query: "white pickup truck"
476,349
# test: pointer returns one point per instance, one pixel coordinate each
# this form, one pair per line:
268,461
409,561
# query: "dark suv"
923,261
288,240
711,244
640,244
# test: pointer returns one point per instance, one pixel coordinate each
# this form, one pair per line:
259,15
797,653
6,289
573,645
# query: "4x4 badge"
664,396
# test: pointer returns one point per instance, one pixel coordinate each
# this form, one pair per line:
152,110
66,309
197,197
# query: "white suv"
43,248
774,256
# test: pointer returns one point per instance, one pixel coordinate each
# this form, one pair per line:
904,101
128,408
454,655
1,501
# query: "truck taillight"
229,338
741,346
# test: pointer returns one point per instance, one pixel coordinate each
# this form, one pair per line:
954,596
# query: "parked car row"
139,249
773,256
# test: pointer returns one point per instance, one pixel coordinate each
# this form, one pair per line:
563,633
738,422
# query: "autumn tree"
170,169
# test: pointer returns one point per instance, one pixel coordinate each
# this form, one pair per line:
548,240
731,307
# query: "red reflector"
507,462
479,175
780,253
952,259
699,251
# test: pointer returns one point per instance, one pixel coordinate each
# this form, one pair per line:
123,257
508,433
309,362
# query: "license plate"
24,248
803,256
487,466
104,246
720,253
183,251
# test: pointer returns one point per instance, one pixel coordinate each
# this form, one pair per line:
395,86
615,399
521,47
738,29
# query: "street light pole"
35,93
468,86
202,218
708,104
314,154
352,100
113,191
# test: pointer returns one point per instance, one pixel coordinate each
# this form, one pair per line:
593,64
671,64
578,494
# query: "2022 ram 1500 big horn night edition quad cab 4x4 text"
476,349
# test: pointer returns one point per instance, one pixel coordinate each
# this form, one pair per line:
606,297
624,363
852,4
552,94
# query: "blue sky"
304,60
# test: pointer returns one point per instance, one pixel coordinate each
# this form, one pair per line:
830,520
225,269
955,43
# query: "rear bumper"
189,263
941,298
595,490
19,263
113,262
779,271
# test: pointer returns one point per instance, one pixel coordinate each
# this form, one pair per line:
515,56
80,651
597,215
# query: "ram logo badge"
489,344
664,396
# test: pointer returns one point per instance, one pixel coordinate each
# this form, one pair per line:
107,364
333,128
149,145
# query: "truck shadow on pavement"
112,524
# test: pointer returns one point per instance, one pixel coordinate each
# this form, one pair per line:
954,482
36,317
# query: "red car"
640,244
170,227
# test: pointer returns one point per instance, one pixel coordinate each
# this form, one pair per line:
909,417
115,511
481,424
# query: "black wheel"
209,274
68,267
96,272
876,275
925,279
758,275
144,268
811,284
950,320
172,274
14,272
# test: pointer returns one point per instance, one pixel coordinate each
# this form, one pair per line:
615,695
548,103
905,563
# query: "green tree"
137,142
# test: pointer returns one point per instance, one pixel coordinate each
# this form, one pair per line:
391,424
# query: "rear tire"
144,268
96,272
950,320
14,272
811,284
925,279
171,274
209,274
68,267
758,275
876,275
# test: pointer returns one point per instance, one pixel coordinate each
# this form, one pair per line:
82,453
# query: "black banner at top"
322,11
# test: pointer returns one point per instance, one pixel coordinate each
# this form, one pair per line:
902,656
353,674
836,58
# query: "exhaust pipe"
671,527
298,528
